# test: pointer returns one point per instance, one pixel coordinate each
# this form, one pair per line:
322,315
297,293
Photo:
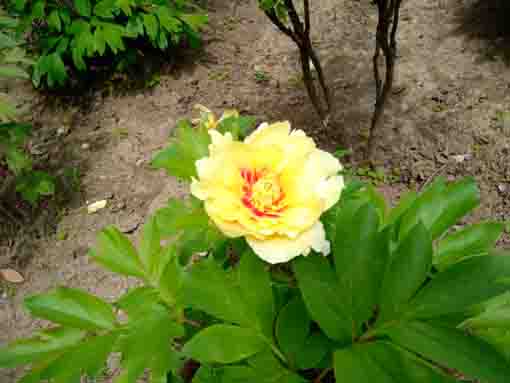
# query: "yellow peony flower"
208,118
272,189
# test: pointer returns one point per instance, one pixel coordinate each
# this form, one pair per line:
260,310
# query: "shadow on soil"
487,21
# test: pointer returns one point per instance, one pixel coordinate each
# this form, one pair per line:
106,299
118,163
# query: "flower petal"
282,249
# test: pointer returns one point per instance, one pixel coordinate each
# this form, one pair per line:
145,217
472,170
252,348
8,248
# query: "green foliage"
76,35
32,185
384,307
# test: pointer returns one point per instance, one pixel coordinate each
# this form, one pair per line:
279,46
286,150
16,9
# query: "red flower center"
262,193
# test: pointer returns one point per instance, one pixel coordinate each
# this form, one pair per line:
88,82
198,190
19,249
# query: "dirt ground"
453,82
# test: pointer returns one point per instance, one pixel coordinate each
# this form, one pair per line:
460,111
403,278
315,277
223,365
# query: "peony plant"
278,268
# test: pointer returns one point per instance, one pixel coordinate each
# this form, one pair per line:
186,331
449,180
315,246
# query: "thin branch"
388,17
306,5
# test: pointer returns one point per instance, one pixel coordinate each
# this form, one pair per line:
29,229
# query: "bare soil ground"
453,80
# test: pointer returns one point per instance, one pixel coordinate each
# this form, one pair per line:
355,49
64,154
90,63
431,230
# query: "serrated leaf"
224,344
40,347
115,252
454,349
73,308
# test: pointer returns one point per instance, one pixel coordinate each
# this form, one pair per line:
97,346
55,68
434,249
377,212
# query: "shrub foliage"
74,34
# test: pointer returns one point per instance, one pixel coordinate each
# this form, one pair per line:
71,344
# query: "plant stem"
322,374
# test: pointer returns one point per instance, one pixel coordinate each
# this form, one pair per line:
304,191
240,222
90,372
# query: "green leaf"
83,7
292,327
460,198
497,318
54,21
13,72
268,369
454,349
149,339
138,300
189,221
440,206
207,287
319,287
40,347
180,216
151,25
224,344
77,55
180,157
38,9
115,252
380,362
112,34
73,308
195,21
407,272
6,41
65,16
167,21
150,246
106,8
87,358
465,284
255,285
34,185
57,74
17,161
427,207
471,241
360,254
134,27
99,42
169,275
313,352
125,6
